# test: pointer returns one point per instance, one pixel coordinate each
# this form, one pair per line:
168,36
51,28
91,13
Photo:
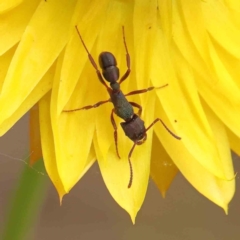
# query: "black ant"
133,126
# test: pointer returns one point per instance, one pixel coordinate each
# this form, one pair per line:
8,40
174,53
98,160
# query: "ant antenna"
82,40
124,39
130,166
92,60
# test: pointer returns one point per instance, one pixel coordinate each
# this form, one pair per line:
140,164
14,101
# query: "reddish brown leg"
92,61
126,74
144,90
88,106
115,133
159,120
130,165
137,106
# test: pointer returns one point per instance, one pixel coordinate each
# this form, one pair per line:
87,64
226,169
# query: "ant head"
108,64
135,129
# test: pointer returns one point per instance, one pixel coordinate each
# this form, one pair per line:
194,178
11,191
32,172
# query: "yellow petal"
234,142
13,23
30,62
75,57
164,19
220,26
143,35
234,9
8,5
163,170
5,60
221,139
90,161
225,99
116,172
191,124
110,39
213,80
217,190
73,133
48,147
35,139
41,89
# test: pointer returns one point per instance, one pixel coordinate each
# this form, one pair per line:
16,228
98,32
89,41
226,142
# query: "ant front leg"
126,74
137,106
115,133
88,106
144,90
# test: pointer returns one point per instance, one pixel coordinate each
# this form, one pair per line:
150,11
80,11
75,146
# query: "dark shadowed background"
89,212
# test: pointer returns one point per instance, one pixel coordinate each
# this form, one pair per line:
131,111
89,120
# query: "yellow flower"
193,46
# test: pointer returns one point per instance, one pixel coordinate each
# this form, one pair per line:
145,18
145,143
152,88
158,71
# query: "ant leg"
137,106
126,74
130,165
88,106
92,60
144,90
159,120
115,133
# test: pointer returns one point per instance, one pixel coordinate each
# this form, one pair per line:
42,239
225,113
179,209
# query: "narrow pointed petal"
8,5
116,172
35,139
90,161
30,62
234,9
217,190
110,39
164,9
213,80
69,128
220,27
191,112
48,147
234,142
5,60
191,124
73,133
13,23
75,56
41,89
144,35
163,170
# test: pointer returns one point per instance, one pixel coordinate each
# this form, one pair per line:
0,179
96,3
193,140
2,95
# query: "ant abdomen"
109,67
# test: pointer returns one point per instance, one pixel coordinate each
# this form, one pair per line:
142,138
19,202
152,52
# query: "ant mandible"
133,126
